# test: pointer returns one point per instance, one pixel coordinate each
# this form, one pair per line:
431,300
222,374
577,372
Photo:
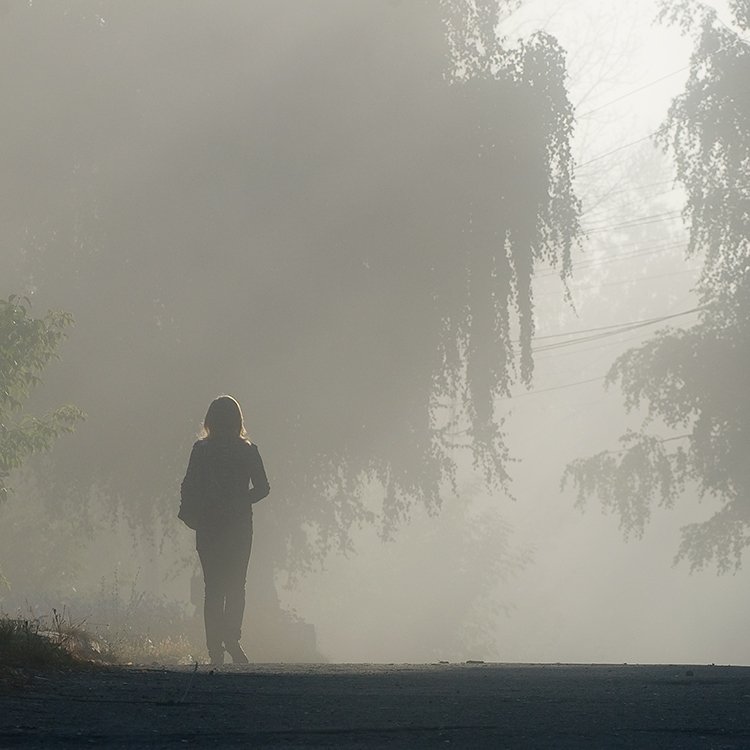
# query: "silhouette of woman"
224,477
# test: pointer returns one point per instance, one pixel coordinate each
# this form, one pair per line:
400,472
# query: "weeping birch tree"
694,381
333,213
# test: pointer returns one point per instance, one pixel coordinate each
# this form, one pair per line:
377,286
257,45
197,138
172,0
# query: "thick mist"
289,202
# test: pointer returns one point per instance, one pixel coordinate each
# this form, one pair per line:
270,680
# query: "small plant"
114,624
24,643
49,641
139,627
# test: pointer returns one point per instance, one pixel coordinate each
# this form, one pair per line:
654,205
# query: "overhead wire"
597,346
589,263
661,78
632,223
551,270
633,91
595,208
616,149
621,326
553,388
617,451
641,187
600,332
636,90
625,281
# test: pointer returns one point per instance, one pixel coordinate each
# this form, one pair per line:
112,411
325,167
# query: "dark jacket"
224,478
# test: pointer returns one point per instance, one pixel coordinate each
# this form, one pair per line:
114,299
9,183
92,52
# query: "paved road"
369,706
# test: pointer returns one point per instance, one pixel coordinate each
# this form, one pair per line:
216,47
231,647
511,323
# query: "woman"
225,476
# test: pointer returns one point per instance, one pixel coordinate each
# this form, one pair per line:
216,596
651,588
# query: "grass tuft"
23,643
56,642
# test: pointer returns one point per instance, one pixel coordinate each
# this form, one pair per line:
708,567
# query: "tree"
694,381
27,345
355,238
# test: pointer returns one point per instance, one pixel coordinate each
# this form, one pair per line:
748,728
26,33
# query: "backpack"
194,489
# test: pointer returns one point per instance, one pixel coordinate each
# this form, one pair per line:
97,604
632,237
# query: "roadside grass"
28,643
129,648
117,625
57,641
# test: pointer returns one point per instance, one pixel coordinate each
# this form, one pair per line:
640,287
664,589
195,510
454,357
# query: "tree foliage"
694,381
319,221
27,345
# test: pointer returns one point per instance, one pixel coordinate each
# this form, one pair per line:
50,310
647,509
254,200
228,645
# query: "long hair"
224,419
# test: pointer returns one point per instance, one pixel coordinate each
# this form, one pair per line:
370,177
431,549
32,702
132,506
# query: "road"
373,706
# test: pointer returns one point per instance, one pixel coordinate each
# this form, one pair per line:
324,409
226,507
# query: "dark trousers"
224,556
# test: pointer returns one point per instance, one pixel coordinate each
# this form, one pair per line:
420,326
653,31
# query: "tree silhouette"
333,213
694,380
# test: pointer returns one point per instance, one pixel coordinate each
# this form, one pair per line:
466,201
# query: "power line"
641,187
641,221
547,270
641,88
554,388
634,91
598,336
621,206
636,243
589,263
599,333
583,335
628,281
643,278
615,150
598,346
626,325
596,262
636,220
618,451
664,77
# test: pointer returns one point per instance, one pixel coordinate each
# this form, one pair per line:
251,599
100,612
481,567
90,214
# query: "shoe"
235,651
216,658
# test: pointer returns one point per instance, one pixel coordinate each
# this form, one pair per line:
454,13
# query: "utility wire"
641,88
598,346
661,78
622,326
589,263
595,227
590,338
615,150
628,281
634,91
640,187
554,388
597,208
617,451
652,219
600,332
551,270
642,278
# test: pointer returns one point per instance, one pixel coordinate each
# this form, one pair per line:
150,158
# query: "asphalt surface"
372,706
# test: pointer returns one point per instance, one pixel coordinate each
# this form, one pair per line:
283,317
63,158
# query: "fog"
286,202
